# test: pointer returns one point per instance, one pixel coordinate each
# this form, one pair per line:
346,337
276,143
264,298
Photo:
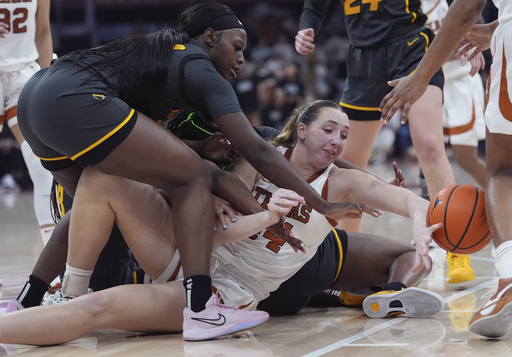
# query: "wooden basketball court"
313,332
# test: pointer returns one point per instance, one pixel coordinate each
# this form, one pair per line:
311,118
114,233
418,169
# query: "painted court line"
388,324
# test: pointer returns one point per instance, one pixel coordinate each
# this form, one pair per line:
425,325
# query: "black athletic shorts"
317,275
67,117
369,70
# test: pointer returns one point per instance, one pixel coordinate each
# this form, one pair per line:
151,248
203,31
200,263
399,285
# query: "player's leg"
467,157
42,181
365,86
385,260
315,277
124,307
360,142
494,320
50,264
387,263
167,163
463,117
138,209
427,137
426,125
41,178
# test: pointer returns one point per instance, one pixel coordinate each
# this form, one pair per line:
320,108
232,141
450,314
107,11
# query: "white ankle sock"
504,259
76,281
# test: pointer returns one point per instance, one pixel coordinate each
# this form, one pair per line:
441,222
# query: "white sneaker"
55,299
59,298
411,302
218,320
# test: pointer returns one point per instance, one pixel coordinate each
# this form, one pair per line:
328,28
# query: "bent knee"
200,176
93,180
95,306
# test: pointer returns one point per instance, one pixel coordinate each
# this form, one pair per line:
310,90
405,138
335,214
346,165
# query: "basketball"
461,210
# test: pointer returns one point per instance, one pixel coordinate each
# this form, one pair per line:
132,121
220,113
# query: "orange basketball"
461,209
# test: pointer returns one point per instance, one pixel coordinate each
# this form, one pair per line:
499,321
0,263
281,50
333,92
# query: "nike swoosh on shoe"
219,321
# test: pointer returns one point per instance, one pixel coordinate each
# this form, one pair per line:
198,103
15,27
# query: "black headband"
225,22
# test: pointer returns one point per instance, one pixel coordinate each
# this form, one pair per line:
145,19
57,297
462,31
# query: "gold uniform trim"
105,137
340,248
95,144
368,109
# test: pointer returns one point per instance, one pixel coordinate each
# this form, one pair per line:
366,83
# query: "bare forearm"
245,226
230,188
461,16
43,38
360,187
417,208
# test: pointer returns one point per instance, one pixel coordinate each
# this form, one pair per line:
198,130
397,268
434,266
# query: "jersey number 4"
17,20
276,242
352,9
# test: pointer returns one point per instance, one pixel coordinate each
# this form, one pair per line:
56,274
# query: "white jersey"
18,47
464,97
436,11
504,10
245,272
499,107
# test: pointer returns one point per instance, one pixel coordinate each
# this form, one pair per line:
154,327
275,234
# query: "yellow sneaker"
459,268
351,299
461,312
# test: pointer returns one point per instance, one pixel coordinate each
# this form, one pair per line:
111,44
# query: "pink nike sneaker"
218,320
494,319
13,305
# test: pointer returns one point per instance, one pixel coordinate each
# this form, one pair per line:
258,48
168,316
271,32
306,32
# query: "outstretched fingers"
371,211
399,179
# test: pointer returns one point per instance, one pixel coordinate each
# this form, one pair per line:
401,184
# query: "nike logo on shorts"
219,321
409,43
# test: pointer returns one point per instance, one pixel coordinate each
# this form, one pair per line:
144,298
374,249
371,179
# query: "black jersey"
193,82
369,23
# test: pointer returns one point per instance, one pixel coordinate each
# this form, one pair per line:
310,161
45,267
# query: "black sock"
394,285
199,290
33,292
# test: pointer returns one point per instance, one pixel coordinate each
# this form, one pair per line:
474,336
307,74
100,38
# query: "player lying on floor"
244,271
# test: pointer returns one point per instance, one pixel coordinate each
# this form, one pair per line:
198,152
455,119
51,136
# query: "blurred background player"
387,41
25,47
493,320
463,122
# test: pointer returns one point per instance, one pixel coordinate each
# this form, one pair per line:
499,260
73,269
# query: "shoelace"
458,261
